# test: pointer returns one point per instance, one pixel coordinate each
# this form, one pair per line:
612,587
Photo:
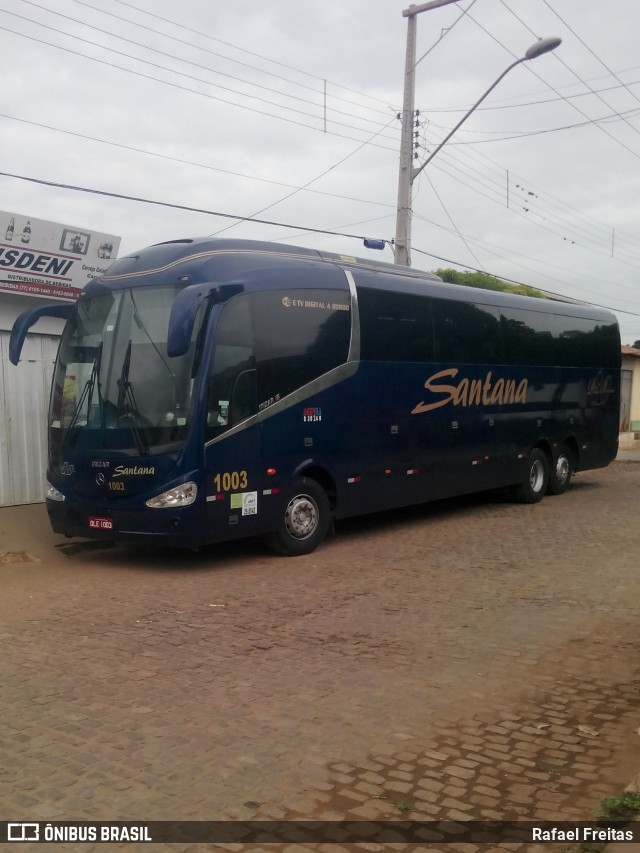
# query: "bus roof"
165,258
207,259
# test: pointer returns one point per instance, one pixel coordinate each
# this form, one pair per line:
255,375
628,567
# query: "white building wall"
24,396
24,401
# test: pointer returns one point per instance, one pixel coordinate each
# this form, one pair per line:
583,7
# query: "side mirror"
183,316
28,318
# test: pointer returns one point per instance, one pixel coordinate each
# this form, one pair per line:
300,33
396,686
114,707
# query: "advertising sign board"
40,258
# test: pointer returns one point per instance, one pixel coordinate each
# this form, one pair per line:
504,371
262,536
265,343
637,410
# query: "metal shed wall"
24,400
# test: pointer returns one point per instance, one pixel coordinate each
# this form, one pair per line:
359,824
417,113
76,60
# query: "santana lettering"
472,392
600,389
120,470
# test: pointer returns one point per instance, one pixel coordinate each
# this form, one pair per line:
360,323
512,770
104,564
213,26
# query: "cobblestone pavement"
468,659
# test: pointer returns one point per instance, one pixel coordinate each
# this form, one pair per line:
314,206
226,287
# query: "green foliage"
487,282
636,344
625,806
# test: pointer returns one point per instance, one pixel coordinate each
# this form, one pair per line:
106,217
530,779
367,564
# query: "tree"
487,282
636,344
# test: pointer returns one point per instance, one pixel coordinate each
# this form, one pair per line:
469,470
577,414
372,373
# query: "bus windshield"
115,387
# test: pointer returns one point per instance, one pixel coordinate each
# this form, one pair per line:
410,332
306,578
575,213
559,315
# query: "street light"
408,174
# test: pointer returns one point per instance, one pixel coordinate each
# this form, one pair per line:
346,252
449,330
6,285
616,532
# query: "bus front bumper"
178,527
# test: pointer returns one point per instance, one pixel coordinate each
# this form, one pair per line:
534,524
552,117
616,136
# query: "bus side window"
231,395
466,332
300,335
394,326
243,402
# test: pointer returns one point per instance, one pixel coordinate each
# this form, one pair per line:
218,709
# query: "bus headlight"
52,493
183,495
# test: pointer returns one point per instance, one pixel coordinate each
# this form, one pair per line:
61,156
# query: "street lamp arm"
537,49
416,172
407,173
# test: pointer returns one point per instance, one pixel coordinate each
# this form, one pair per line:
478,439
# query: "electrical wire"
179,59
207,212
308,184
553,89
522,284
173,23
594,54
202,94
498,192
498,252
176,24
184,162
171,205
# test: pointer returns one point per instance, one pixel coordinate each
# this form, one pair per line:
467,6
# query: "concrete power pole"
403,219
405,180
408,173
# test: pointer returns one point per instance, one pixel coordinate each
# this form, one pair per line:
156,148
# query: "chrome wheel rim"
301,517
536,476
563,469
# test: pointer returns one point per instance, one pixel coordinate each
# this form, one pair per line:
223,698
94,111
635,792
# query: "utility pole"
408,173
405,179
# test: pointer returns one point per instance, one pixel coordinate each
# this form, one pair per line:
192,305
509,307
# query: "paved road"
473,658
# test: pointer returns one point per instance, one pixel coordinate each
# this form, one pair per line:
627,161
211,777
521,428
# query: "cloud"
247,97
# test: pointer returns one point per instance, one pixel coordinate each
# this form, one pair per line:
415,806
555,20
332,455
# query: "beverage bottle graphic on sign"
10,229
26,232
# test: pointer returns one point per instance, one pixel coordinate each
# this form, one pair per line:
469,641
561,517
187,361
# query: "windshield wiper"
73,430
127,406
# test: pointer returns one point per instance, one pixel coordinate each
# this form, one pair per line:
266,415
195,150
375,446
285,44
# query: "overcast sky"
234,107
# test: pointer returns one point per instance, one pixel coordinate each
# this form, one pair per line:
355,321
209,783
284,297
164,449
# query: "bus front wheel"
305,520
534,485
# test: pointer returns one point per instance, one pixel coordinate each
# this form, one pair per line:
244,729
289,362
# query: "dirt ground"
470,659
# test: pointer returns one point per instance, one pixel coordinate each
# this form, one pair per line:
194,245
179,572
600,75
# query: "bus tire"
306,518
532,489
560,473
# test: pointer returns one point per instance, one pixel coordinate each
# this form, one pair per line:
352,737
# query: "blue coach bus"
207,390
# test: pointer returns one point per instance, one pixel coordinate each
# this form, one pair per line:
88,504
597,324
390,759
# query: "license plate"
100,523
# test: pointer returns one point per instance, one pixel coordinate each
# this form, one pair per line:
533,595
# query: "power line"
180,59
567,66
173,205
207,212
522,284
508,106
558,204
308,184
494,190
498,192
491,248
202,94
235,47
184,162
553,89
456,229
595,55
521,134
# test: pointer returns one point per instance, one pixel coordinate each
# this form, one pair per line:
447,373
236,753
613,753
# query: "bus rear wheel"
561,472
533,487
305,520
